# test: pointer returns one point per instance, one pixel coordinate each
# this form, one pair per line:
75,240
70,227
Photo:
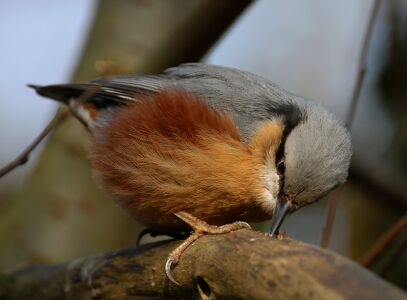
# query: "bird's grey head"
313,157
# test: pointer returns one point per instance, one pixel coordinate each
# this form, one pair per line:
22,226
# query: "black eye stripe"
292,115
280,151
281,166
280,157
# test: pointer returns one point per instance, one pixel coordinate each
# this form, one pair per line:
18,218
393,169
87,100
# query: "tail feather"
87,108
60,92
86,111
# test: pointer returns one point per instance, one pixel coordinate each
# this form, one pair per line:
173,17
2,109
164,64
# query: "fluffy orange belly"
174,153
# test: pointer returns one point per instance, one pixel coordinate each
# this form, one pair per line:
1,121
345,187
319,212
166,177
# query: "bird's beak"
281,210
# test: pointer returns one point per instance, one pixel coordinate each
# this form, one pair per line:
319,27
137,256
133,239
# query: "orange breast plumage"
171,151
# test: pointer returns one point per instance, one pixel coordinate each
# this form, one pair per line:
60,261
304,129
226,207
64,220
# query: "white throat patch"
271,182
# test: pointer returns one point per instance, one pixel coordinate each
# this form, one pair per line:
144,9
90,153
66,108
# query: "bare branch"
333,203
267,268
374,252
362,63
25,155
60,115
330,218
390,264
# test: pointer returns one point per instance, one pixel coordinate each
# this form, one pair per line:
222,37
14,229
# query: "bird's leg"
200,228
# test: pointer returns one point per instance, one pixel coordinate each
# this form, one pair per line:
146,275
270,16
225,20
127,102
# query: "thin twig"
389,266
25,155
334,199
369,258
362,64
330,218
60,115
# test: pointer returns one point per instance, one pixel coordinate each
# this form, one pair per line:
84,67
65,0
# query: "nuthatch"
203,144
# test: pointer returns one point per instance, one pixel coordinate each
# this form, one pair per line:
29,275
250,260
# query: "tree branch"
362,63
240,265
59,116
373,253
333,203
25,155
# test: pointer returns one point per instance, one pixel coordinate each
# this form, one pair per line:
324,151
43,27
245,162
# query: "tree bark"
241,265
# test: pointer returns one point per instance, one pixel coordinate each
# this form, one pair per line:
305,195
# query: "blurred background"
52,211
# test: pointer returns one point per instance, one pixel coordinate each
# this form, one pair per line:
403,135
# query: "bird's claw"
200,228
168,270
244,225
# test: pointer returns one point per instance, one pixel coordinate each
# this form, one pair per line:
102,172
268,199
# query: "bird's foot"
200,228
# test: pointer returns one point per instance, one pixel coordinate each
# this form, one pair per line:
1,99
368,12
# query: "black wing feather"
109,91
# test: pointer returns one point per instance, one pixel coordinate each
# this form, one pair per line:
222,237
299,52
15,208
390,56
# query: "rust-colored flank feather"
171,151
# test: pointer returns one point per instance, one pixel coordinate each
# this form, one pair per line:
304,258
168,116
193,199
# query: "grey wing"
248,98
233,90
128,87
240,93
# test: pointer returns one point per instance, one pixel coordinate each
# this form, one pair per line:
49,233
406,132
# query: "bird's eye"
281,167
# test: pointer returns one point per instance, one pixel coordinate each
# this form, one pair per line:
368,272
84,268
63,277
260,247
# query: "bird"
206,147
